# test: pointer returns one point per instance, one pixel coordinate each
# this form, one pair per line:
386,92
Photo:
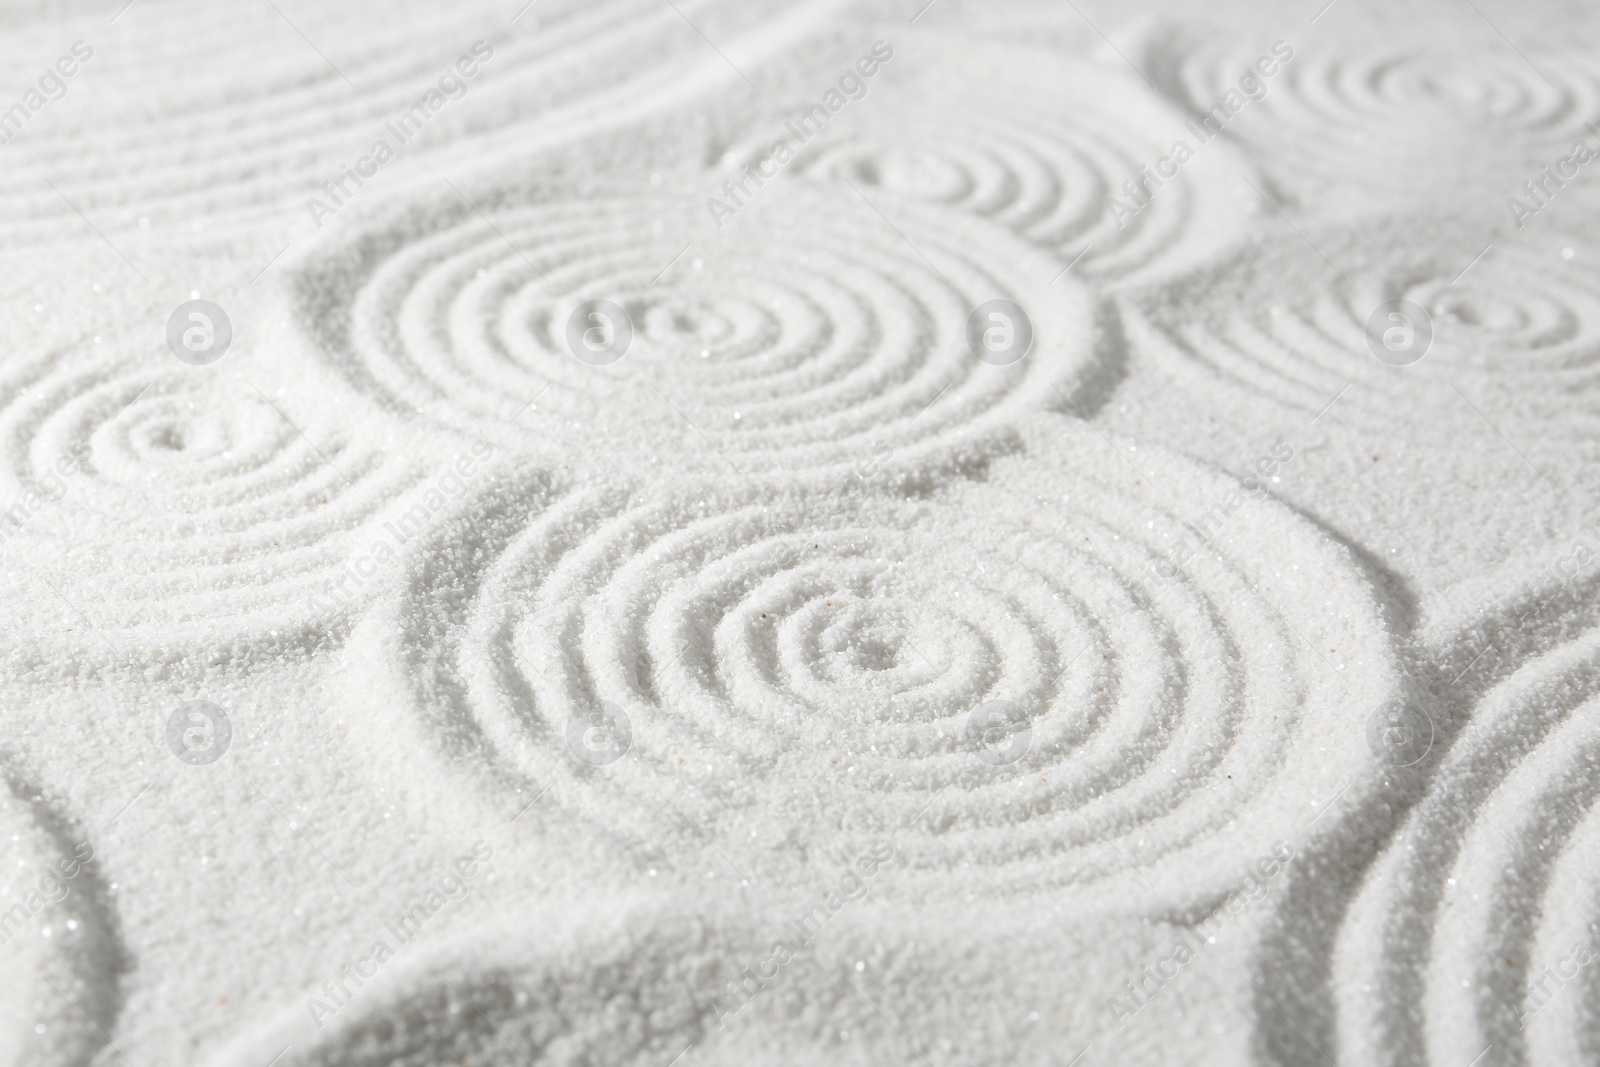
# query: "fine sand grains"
801,532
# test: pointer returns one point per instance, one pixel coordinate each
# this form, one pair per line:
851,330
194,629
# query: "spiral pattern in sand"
1478,927
1047,180
168,508
58,950
803,338
218,164
1102,697
1403,121
1037,150
1517,331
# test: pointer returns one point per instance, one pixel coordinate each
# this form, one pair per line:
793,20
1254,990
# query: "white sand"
426,680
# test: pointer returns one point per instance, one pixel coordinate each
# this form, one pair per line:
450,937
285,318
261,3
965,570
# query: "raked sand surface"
683,532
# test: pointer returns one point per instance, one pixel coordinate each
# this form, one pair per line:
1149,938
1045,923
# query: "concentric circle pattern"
747,480
1404,120
801,678
1039,150
1048,180
818,334
1517,330
1480,925
172,507
219,162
